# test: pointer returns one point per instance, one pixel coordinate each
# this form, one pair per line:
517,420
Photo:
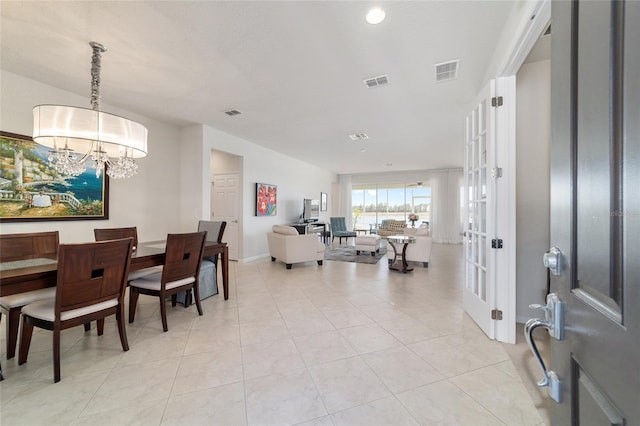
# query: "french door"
477,294
489,293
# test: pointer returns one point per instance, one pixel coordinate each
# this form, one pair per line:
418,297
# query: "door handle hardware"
553,315
553,260
553,322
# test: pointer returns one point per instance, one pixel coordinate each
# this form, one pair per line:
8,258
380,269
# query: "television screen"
311,210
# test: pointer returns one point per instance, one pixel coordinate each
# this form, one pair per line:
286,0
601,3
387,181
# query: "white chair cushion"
45,309
21,299
153,282
144,272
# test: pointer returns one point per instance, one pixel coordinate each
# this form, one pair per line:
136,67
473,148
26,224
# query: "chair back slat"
105,234
215,230
183,256
29,246
91,273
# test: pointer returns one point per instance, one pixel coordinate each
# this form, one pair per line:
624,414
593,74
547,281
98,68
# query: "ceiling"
294,69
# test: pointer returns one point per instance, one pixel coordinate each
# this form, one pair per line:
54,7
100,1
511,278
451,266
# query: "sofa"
420,251
286,245
391,227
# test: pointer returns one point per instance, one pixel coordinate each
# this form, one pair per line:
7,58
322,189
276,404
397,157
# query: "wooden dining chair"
215,232
181,271
90,286
18,247
105,234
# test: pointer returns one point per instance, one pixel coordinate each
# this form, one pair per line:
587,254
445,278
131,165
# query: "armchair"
339,229
286,245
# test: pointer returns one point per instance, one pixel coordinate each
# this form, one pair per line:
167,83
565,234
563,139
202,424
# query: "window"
373,203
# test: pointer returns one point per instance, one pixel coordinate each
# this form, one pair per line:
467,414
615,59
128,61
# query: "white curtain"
344,202
445,205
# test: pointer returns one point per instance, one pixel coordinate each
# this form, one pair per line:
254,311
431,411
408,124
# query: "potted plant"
413,218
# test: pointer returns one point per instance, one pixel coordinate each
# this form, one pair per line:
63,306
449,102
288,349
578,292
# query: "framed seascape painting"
266,199
32,190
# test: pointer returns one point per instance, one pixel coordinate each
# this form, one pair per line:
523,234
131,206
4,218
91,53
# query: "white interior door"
477,291
489,293
225,206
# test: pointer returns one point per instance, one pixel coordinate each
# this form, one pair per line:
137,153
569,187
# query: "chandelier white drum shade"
76,134
55,126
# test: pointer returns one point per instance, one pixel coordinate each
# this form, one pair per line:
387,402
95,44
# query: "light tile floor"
340,344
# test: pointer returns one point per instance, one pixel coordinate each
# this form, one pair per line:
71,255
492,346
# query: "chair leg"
163,313
56,356
196,296
100,323
13,323
25,342
122,330
133,301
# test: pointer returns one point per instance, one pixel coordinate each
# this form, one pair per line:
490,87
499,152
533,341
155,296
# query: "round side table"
405,240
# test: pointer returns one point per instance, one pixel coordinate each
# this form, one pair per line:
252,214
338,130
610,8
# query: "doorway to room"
226,198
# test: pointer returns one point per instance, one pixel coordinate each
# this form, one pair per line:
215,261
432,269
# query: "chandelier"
77,135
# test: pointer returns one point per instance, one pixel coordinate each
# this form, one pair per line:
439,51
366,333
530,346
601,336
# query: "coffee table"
405,240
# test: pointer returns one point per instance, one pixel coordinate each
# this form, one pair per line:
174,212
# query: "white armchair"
420,251
286,245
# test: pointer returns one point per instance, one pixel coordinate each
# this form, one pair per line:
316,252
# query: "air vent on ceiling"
232,112
446,71
358,136
376,81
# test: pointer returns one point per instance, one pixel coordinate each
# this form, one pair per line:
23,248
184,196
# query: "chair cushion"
283,229
144,272
45,309
22,299
153,282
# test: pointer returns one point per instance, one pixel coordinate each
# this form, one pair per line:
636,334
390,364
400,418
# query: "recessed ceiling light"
363,150
375,16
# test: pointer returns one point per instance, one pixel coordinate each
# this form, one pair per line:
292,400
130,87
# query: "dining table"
32,274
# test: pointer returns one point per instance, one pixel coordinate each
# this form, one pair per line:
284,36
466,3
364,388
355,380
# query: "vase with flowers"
413,218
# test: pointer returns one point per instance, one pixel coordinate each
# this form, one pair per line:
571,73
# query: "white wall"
171,191
150,200
295,179
533,134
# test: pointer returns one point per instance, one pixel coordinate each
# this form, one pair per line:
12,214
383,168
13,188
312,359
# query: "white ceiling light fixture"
75,134
375,16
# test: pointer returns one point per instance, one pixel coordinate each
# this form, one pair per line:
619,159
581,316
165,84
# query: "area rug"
348,254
